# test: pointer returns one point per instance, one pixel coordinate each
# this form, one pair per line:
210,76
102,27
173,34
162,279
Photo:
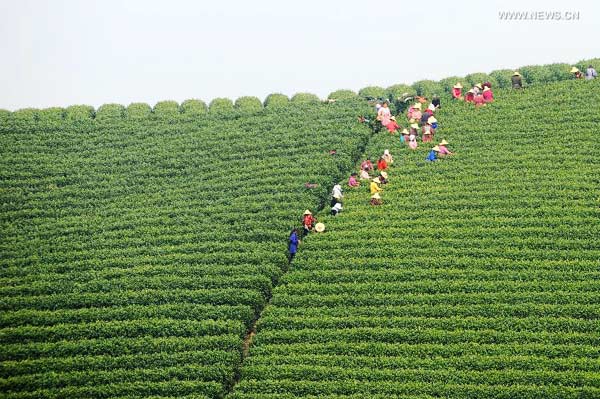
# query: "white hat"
376,196
320,227
386,152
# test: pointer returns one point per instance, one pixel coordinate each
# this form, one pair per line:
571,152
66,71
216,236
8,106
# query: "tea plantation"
139,245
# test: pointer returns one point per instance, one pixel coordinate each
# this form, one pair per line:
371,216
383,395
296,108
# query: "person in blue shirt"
293,244
432,156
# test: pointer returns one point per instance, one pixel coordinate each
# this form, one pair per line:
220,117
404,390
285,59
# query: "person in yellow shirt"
375,186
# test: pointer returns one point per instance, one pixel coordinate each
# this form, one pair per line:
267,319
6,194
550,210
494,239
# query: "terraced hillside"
479,277
137,248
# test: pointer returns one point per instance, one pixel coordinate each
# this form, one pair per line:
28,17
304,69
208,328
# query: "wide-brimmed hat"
307,212
431,120
376,180
417,106
404,131
320,227
436,148
444,142
386,152
384,174
574,69
376,196
458,86
479,86
486,88
414,125
393,118
516,73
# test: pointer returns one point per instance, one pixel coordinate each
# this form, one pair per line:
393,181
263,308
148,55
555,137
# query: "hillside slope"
478,277
136,252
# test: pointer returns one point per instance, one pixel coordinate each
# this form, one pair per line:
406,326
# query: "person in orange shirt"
382,164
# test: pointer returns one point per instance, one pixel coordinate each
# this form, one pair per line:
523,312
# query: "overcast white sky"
64,52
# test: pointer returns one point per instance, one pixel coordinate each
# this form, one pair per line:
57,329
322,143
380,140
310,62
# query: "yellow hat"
376,196
431,120
458,86
414,126
417,106
393,118
574,69
320,227
486,88
376,180
384,174
444,142
479,86
412,120
516,73
307,212
404,131
436,148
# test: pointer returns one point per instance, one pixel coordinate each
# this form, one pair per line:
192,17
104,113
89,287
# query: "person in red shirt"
488,96
457,91
308,222
478,100
366,165
393,125
470,97
382,164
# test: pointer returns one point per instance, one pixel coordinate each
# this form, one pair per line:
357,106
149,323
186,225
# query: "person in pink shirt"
412,142
443,150
384,115
478,100
352,181
488,96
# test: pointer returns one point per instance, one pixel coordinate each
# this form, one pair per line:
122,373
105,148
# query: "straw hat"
307,212
417,106
412,120
436,148
414,125
444,142
404,131
574,69
479,86
486,88
431,120
458,86
393,118
376,196
319,227
386,152
516,73
376,180
384,174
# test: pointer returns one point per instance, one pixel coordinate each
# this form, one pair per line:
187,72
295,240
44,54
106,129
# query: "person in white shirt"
336,194
590,73
336,209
